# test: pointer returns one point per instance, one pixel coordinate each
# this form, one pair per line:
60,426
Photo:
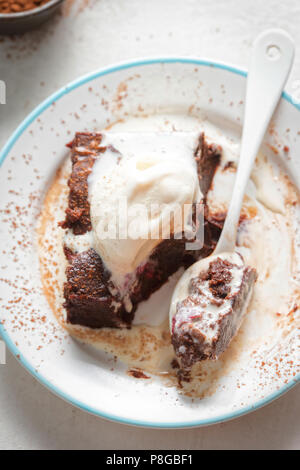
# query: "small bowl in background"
17,23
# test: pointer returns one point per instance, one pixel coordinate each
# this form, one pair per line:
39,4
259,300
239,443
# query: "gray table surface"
88,35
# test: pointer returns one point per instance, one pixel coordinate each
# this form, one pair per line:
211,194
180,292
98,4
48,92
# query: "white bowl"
29,161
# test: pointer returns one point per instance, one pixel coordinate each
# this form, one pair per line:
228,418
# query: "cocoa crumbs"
18,6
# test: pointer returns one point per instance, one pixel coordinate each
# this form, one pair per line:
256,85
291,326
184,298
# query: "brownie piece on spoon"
208,307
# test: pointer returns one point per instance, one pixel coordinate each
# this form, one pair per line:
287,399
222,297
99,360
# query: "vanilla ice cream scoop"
143,197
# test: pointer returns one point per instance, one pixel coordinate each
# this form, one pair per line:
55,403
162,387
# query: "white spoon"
271,61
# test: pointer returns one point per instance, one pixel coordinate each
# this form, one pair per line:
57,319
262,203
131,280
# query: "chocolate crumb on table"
137,374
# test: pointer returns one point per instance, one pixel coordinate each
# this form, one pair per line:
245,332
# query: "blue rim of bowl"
10,344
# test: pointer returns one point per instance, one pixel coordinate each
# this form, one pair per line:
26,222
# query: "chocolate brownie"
90,298
85,149
208,318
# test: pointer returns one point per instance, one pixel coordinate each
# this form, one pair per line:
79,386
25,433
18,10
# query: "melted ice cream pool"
268,239
264,200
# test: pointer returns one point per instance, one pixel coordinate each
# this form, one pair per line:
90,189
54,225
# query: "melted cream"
266,239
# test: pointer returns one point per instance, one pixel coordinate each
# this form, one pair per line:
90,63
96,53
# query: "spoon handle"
271,61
